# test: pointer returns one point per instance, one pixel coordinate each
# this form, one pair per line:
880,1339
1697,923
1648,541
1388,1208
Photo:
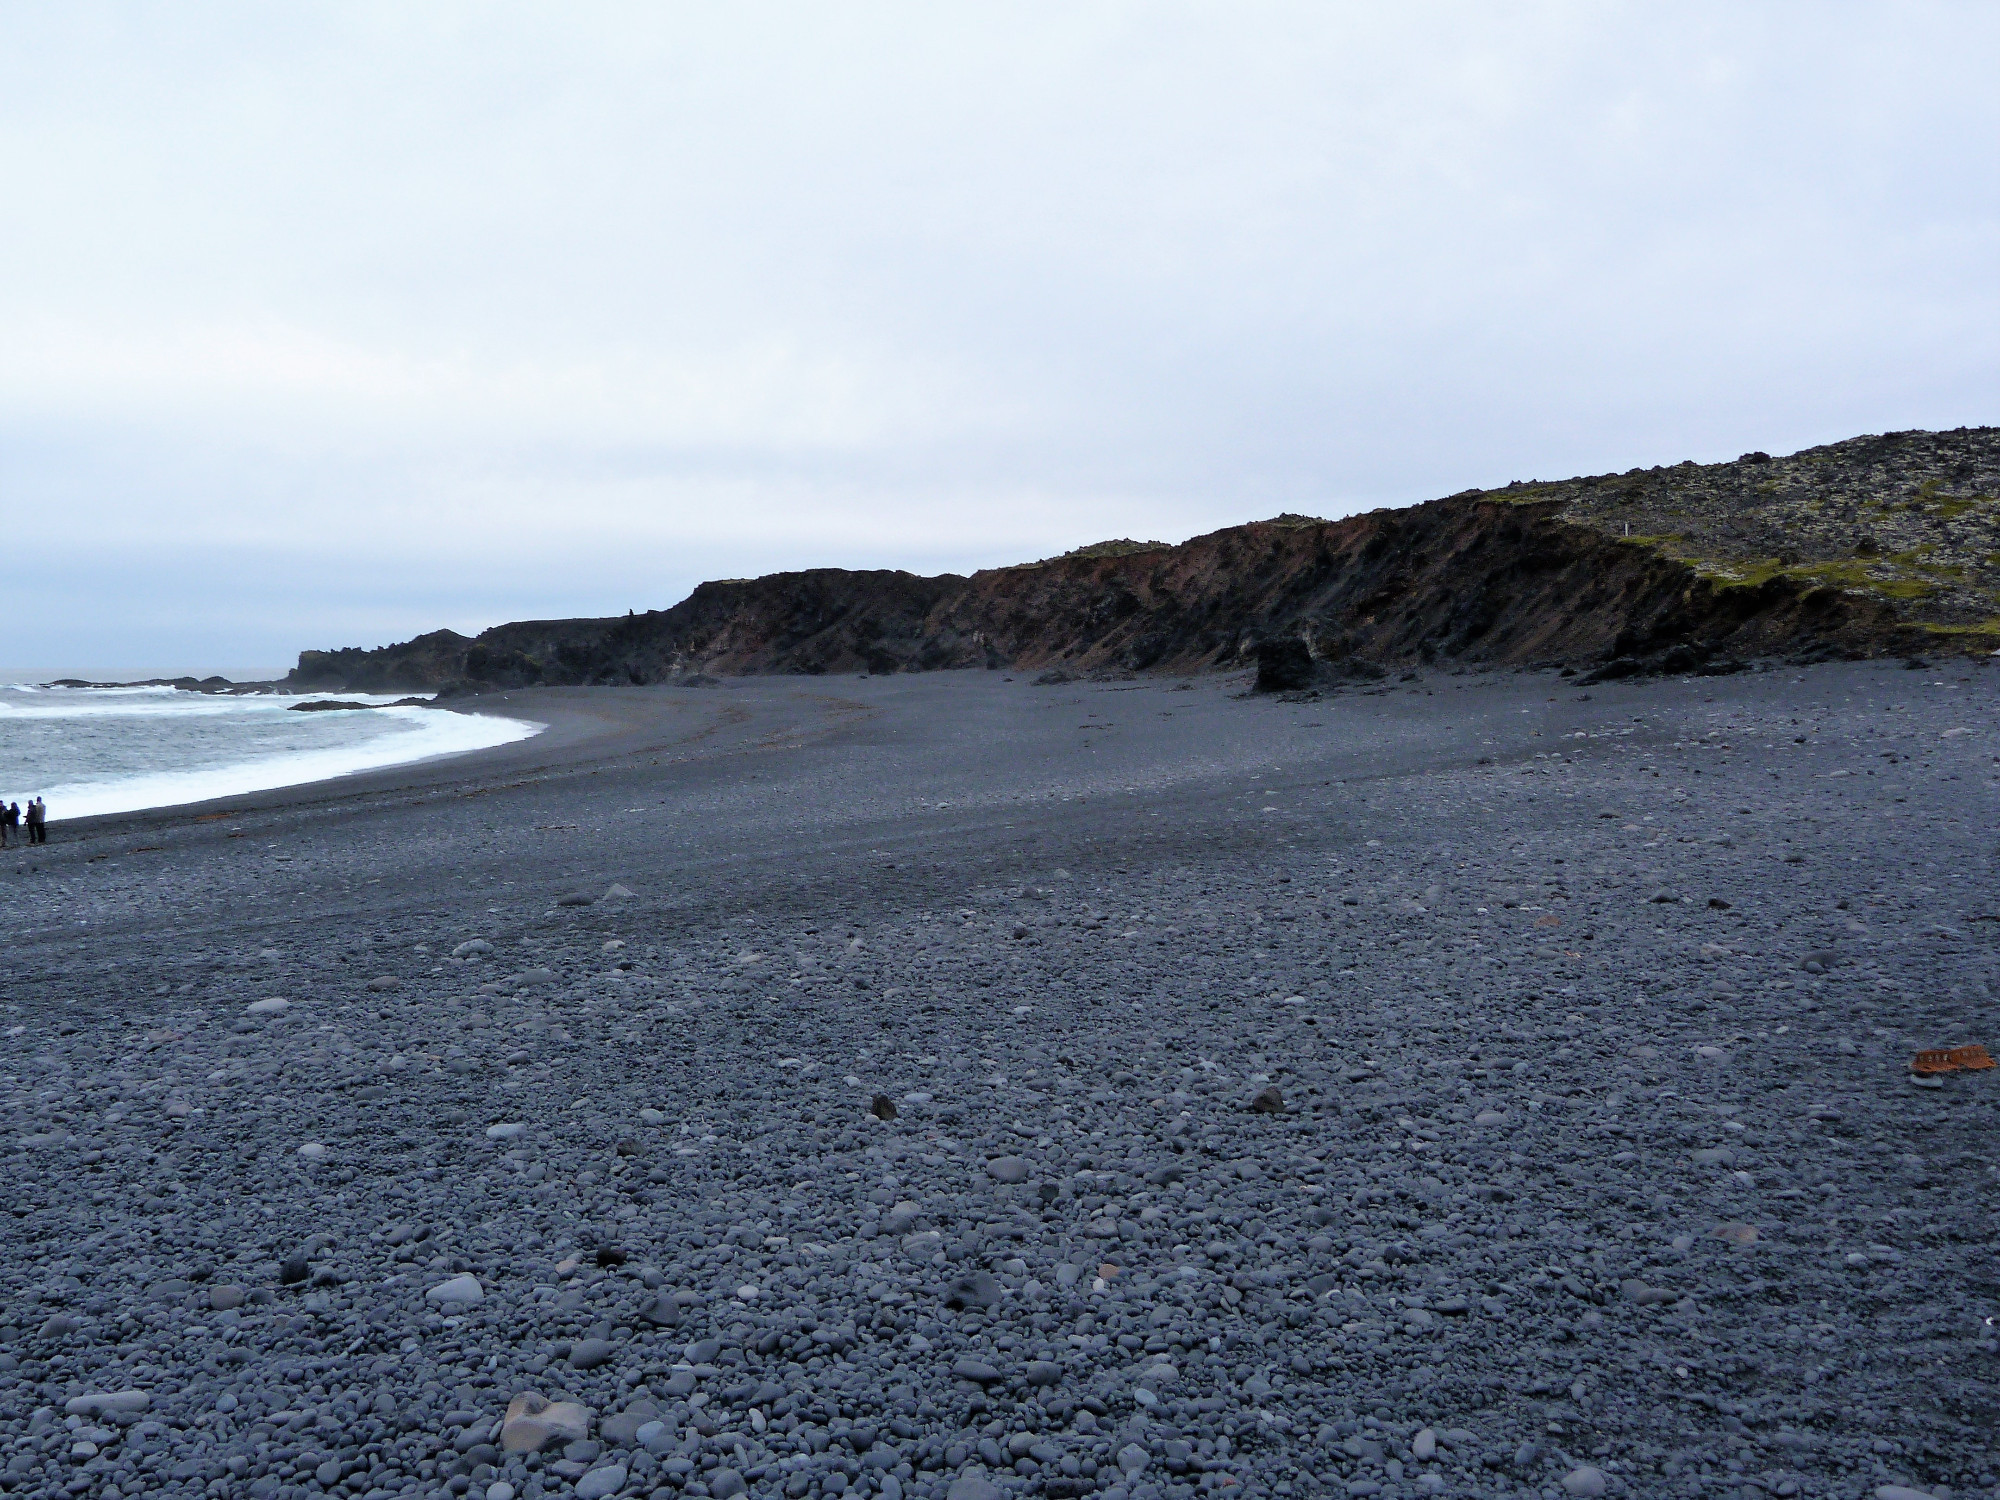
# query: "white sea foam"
103,750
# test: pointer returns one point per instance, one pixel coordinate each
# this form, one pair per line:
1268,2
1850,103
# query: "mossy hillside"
1116,547
1987,631
1908,518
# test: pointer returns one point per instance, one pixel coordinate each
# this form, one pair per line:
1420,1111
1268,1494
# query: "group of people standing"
37,820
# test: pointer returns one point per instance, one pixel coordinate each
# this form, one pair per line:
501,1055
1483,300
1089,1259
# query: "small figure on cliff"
10,821
38,821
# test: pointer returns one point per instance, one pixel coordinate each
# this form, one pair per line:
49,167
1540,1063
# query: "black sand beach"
1483,1085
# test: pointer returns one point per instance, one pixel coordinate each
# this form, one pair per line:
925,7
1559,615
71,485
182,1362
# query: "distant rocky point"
218,685
1879,545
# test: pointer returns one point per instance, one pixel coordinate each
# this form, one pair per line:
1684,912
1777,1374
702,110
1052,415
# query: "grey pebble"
1641,1295
588,1354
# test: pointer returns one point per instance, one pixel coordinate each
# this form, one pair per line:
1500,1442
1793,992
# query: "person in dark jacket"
10,821
38,821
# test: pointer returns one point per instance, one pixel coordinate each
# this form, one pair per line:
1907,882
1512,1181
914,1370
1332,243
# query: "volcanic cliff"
1881,544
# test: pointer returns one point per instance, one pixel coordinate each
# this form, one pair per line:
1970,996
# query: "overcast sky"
325,325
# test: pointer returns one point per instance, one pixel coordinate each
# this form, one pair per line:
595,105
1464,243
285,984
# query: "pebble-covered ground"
955,1087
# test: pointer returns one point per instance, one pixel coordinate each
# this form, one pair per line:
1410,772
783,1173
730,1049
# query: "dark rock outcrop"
429,661
1284,665
341,705
1530,574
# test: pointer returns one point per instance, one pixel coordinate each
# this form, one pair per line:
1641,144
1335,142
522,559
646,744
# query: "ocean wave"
22,702
114,760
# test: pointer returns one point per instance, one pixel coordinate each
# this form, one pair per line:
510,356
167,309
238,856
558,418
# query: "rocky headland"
1881,545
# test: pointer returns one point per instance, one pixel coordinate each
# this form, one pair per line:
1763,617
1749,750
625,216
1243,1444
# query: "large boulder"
1284,665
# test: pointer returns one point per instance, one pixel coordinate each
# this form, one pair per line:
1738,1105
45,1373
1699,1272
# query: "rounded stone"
588,1354
458,1292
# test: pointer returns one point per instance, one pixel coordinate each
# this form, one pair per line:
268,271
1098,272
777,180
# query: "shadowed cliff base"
1878,545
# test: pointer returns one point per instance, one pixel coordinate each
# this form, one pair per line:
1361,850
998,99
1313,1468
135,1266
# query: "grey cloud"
319,320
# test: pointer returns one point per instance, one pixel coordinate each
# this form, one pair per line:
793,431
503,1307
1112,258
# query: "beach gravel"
1474,1086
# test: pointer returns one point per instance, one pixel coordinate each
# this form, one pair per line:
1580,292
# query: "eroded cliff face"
1468,580
1537,573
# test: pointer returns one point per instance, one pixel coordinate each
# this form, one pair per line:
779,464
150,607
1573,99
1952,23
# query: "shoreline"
580,726
292,760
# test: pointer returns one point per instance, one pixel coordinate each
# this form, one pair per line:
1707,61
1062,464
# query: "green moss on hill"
1909,519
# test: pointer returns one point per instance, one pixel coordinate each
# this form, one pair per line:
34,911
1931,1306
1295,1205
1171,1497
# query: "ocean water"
104,750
